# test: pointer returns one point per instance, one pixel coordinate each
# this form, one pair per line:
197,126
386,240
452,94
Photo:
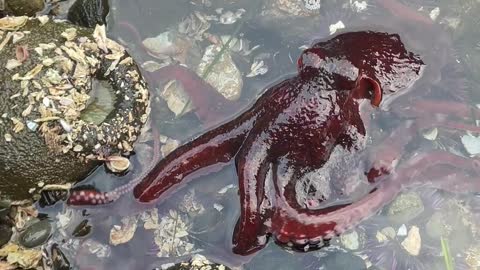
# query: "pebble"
5,234
36,234
405,207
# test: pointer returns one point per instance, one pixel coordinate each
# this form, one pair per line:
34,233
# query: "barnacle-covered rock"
45,134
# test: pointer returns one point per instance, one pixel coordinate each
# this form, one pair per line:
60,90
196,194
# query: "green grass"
446,254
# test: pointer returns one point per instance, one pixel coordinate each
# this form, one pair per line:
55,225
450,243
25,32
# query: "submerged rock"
23,7
88,13
36,234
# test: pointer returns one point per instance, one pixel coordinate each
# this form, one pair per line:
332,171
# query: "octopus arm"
252,167
216,147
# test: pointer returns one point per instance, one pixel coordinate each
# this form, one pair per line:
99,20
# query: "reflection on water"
412,232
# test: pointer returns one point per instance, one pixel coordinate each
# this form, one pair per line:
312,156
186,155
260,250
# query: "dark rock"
36,234
23,7
5,234
88,13
59,260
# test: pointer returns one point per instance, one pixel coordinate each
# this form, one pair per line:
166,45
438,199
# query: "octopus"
309,160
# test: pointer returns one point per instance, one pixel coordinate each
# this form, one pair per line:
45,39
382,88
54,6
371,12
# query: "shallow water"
202,215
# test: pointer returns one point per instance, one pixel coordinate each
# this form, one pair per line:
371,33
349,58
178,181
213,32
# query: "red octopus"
305,166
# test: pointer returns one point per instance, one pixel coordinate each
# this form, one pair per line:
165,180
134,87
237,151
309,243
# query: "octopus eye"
370,89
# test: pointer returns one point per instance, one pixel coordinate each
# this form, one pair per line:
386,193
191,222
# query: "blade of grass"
446,254
216,59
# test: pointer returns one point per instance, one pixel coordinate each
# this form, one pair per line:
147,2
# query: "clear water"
205,211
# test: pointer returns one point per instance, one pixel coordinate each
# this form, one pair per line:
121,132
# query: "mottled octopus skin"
291,130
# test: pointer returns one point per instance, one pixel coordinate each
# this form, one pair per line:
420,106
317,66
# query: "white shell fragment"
176,98
171,236
160,44
17,36
224,76
43,19
117,164
431,134
257,68
471,144
312,4
434,13
12,64
121,234
230,17
413,242
169,146
336,26
70,34
402,231
12,23
359,6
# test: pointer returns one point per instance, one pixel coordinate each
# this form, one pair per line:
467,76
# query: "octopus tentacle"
95,197
252,168
218,146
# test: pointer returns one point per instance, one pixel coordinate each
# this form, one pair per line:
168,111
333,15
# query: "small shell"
124,233
17,36
257,68
431,135
117,164
12,23
69,34
336,26
471,144
43,19
12,64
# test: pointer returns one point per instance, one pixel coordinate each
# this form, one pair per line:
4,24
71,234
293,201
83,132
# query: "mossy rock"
42,135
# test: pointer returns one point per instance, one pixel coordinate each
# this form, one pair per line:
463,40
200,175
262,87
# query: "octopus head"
378,63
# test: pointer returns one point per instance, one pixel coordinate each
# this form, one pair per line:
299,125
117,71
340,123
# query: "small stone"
5,234
413,241
405,207
36,234
224,76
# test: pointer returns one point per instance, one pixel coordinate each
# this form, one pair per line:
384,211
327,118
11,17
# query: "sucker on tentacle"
95,197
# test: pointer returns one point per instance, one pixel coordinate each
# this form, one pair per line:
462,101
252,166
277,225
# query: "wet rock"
5,234
224,76
23,7
88,13
405,207
83,229
59,260
343,261
5,208
36,234
42,129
